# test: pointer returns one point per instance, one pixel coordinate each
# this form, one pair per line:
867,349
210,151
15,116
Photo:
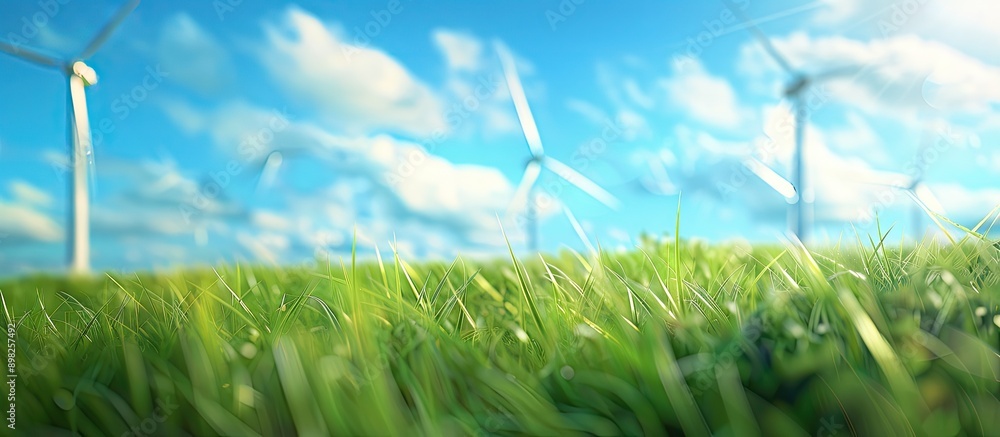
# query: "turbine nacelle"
85,72
797,85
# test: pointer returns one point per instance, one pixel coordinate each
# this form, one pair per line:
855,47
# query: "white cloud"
902,75
705,98
22,220
26,193
632,124
838,11
157,199
588,110
964,204
964,24
477,102
463,52
699,163
636,95
22,223
381,182
359,89
857,136
271,221
269,247
193,56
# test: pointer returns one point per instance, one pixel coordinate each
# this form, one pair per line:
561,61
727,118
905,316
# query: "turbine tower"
79,76
525,194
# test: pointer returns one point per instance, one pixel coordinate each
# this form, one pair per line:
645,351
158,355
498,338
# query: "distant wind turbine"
79,76
925,202
533,169
794,91
268,171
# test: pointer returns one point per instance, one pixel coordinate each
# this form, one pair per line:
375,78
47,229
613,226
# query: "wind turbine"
268,171
79,76
924,200
525,194
799,84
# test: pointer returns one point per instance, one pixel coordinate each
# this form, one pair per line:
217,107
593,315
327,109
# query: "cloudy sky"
393,122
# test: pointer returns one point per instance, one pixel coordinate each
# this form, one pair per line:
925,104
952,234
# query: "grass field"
674,337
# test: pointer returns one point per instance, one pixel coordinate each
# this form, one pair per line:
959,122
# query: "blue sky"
393,120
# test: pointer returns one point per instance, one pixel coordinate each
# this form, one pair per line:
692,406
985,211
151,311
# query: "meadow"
673,337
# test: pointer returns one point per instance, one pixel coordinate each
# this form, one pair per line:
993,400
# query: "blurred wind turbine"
268,172
533,169
79,76
270,167
924,200
794,91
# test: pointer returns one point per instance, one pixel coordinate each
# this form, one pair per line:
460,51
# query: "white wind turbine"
533,169
268,171
924,200
79,76
795,91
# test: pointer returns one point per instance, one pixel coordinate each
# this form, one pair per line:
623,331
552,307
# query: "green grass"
672,338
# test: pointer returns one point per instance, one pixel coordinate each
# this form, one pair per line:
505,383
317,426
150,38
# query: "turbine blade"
105,33
30,55
762,38
771,178
579,230
588,186
520,199
925,195
527,121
